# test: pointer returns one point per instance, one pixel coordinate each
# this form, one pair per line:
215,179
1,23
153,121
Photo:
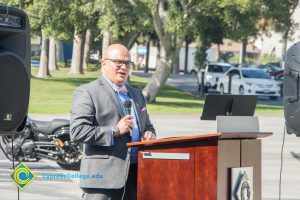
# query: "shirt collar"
112,85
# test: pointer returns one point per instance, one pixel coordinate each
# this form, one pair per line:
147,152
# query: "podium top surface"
209,136
245,135
173,140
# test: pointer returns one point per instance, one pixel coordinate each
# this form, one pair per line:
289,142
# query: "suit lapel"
111,93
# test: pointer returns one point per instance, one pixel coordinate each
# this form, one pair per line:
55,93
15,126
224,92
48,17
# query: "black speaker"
15,56
291,89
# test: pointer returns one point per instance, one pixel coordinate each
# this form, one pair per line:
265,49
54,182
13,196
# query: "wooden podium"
196,167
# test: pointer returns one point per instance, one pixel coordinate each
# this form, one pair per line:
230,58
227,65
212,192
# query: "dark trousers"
115,194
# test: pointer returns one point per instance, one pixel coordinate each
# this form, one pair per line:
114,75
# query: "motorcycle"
43,139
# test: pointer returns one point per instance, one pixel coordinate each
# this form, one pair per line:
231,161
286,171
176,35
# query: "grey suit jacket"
95,109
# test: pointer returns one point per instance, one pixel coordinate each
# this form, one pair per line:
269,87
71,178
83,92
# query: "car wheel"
273,98
222,89
241,90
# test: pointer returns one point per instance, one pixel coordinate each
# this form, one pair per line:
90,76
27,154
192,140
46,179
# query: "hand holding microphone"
126,123
127,106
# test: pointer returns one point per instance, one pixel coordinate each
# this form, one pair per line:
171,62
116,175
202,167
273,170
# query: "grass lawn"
54,96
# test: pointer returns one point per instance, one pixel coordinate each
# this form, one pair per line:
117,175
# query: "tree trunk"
176,69
146,69
43,69
52,55
158,54
186,57
243,51
158,79
218,53
285,38
203,46
87,48
170,47
76,65
105,41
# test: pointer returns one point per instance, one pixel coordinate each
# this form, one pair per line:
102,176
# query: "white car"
212,72
249,81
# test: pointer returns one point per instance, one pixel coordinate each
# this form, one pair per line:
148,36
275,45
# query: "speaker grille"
14,92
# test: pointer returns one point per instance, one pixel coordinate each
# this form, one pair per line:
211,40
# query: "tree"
52,55
87,48
47,18
241,19
278,17
37,12
170,21
174,20
83,15
44,69
124,21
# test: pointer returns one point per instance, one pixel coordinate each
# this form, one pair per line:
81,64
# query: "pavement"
67,189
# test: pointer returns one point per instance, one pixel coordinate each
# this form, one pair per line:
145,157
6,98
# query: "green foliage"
266,58
123,17
278,14
63,64
241,18
49,16
236,59
200,54
93,67
35,57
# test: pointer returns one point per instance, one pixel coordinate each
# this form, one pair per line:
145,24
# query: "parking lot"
189,83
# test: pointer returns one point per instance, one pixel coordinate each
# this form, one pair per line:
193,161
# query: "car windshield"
218,68
255,74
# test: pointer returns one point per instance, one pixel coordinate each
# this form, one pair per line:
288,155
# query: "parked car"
250,81
271,69
279,78
212,72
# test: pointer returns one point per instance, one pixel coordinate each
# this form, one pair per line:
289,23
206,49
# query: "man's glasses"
120,63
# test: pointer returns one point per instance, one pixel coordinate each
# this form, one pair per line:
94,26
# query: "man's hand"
125,124
148,135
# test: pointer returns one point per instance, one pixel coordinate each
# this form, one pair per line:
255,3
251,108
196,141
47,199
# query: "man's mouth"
122,73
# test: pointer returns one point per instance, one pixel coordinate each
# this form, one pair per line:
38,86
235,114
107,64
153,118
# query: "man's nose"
123,65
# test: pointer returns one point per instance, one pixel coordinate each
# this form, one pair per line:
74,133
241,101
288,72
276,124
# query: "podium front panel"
178,171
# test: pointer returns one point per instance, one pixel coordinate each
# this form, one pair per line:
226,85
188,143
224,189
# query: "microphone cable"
281,162
13,160
127,171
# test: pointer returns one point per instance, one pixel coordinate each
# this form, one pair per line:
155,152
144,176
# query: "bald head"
113,50
113,54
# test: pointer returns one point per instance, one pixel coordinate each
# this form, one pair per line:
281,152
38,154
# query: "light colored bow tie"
121,89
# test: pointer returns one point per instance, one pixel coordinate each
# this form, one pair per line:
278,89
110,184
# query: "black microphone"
127,106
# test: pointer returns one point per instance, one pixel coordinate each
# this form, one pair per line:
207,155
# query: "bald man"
99,121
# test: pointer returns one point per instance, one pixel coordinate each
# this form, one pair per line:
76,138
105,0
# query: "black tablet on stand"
228,105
